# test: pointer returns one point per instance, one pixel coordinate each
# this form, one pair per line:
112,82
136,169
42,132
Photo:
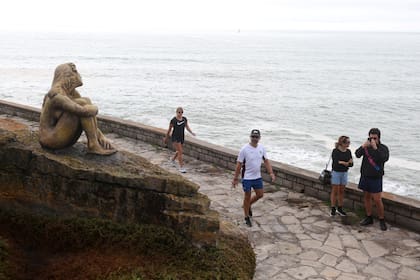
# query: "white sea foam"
403,163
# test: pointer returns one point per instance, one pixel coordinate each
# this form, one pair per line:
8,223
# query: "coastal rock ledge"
123,187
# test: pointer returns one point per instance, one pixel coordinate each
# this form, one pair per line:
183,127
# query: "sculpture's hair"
66,77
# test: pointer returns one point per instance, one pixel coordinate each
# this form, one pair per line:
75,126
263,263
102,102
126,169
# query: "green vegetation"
146,251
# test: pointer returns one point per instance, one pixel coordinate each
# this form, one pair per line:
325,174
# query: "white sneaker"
182,170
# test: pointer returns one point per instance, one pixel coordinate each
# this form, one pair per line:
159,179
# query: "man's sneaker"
248,221
332,211
382,224
182,170
172,162
367,221
250,212
341,212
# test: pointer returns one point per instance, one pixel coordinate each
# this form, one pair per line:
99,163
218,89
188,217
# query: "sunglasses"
180,112
255,136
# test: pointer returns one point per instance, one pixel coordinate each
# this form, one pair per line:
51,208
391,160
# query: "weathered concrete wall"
398,210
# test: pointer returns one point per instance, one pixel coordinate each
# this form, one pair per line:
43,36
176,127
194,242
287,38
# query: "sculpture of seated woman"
65,114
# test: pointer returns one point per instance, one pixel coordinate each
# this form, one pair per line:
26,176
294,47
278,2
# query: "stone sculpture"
65,114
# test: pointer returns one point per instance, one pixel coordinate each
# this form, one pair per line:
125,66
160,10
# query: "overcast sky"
209,15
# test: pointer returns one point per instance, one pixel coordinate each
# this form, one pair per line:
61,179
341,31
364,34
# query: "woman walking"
178,125
341,161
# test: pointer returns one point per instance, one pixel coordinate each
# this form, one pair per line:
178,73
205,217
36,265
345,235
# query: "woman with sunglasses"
178,125
341,161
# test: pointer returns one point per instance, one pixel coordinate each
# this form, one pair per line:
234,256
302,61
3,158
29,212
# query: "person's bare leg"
368,203
175,156
259,193
177,148
340,195
247,203
333,196
377,197
180,158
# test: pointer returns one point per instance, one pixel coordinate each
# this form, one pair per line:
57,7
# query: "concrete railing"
398,210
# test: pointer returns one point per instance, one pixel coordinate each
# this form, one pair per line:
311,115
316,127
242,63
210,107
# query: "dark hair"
341,140
375,131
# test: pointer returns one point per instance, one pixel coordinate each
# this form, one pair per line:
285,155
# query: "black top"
337,156
179,127
379,156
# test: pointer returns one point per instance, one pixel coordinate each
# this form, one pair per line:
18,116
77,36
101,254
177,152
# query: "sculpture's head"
67,77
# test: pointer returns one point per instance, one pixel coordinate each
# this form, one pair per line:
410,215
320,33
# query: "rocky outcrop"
122,187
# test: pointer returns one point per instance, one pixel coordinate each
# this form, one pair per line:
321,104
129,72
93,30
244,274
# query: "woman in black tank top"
177,125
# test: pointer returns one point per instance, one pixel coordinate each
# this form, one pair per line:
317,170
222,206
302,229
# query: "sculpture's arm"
66,104
76,94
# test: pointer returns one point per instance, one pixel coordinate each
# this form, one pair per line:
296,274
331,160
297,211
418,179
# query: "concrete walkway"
293,235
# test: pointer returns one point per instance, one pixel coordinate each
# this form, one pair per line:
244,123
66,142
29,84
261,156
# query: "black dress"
178,134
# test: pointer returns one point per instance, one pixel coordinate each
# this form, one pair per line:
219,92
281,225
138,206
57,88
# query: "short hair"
375,131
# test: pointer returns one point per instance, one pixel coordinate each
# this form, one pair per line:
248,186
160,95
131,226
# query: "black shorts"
177,140
370,184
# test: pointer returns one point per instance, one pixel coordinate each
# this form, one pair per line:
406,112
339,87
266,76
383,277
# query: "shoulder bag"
325,176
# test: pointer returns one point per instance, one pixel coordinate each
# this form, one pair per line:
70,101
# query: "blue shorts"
256,184
339,178
370,184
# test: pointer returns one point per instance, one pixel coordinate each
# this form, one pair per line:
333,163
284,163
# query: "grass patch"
120,251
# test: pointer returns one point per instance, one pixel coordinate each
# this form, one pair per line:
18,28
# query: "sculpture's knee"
83,101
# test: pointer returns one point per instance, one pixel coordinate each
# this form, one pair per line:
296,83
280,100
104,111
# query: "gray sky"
209,15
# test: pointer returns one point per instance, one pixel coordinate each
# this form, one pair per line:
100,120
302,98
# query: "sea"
301,89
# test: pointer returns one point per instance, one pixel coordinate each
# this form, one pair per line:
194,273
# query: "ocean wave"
403,163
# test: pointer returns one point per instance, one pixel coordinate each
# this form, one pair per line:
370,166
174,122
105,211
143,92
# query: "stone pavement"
293,236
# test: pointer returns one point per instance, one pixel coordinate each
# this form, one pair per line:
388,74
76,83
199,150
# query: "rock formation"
122,187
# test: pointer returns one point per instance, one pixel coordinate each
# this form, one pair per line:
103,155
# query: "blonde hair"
341,140
179,109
